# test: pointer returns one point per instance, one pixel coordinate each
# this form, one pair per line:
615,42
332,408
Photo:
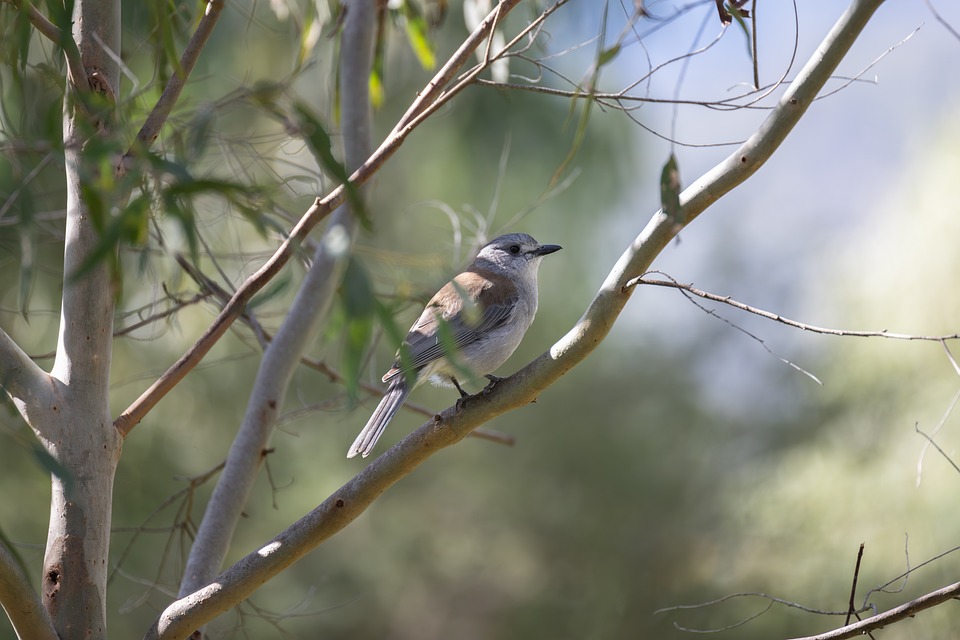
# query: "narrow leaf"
418,35
670,190
607,55
320,146
359,306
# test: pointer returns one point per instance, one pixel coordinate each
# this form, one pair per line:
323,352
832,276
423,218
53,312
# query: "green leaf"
737,15
164,23
450,350
318,141
670,190
417,34
27,271
396,336
22,31
377,73
607,55
309,33
50,464
376,88
274,289
130,226
198,131
359,304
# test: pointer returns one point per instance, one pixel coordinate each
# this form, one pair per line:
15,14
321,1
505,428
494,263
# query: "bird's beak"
547,249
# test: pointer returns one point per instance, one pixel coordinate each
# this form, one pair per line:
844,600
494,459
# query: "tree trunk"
75,425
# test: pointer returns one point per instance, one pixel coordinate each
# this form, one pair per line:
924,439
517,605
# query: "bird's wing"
428,340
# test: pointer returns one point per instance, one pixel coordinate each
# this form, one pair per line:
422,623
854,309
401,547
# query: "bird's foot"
456,383
494,380
463,394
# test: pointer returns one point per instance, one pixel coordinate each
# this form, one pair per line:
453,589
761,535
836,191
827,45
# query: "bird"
473,324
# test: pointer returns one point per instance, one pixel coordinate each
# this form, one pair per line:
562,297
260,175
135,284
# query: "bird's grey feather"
397,392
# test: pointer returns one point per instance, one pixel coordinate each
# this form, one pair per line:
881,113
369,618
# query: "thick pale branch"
451,426
321,207
21,602
879,621
20,377
264,338
308,311
799,95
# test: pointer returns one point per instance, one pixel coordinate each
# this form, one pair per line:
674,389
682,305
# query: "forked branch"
346,504
321,207
879,621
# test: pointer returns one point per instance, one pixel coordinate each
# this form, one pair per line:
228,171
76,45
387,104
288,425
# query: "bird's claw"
494,380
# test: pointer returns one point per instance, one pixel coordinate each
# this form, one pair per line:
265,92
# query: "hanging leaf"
359,305
396,335
418,35
607,55
670,190
275,287
28,238
318,141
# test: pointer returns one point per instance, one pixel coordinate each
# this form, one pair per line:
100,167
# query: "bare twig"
931,442
879,621
750,594
176,307
178,80
321,207
939,18
852,608
689,288
686,292
237,582
264,337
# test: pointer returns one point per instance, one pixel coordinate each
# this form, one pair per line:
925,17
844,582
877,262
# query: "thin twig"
347,503
178,80
686,290
907,610
753,45
71,52
946,25
727,300
263,339
851,610
320,208
750,594
937,447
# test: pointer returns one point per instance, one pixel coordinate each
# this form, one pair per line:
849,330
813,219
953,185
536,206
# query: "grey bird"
482,313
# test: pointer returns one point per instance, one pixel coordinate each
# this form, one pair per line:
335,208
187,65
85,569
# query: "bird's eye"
514,249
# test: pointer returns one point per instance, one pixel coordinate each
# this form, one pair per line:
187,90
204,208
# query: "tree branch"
776,317
321,207
435,93
264,338
906,610
65,41
336,512
20,377
178,80
307,313
21,602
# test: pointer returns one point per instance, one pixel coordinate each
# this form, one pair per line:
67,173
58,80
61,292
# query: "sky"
767,241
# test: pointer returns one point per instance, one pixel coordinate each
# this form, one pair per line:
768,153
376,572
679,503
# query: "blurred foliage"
632,486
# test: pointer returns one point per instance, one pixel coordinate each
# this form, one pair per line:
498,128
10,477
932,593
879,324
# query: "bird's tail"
397,392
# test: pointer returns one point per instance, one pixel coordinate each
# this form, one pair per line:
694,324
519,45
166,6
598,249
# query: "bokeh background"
682,462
